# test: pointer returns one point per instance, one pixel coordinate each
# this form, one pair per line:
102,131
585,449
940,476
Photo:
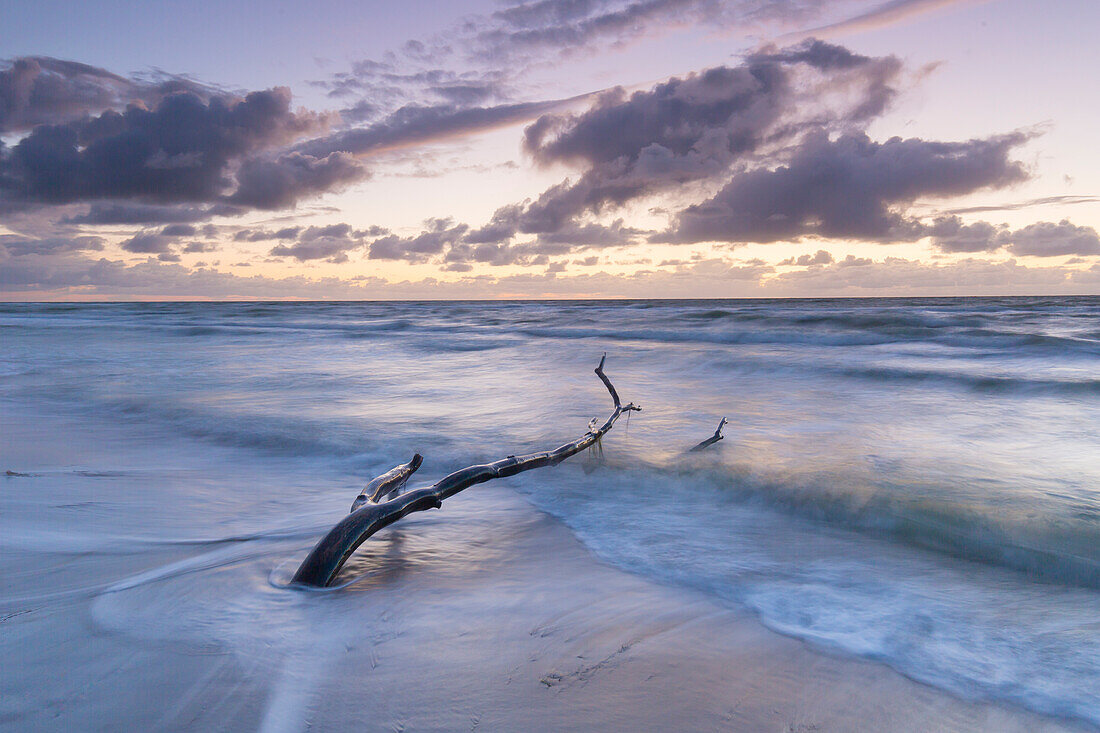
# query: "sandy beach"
452,624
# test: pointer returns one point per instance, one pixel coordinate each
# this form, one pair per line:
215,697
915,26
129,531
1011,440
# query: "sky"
548,149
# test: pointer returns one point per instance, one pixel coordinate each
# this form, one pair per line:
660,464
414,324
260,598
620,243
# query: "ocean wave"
872,574
977,382
1057,550
785,334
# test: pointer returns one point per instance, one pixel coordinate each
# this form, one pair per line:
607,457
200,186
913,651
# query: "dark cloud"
722,112
497,254
182,151
179,230
683,130
950,234
337,231
148,243
330,242
42,90
18,246
191,247
252,235
261,235
440,234
851,187
692,128
457,244
1042,239
278,182
136,213
593,235
1045,239
332,249
502,227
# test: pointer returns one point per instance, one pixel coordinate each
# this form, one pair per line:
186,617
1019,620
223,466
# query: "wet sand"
460,625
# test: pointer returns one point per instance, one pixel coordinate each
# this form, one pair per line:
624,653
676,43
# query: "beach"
458,626
156,507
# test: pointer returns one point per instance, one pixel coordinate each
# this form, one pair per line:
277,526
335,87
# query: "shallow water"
914,481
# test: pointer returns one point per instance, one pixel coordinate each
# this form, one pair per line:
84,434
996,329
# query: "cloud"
528,254
192,247
182,151
853,276
42,90
420,125
564,28
694,128
851,187
278,182
1045,239
485,56
456,245
179,230
330,242
383,87
1064,200
617,234
332,249
722,111
886,14
807,260
1042,239
440,234
135,213
16,245
76,275
70,274
148,243
682,130
950,234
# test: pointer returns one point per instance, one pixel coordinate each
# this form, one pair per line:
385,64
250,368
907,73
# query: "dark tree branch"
712,439
388,483
323,563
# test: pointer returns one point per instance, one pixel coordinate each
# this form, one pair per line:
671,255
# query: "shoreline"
487,615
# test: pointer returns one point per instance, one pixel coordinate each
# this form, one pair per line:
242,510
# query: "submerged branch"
712,439
371,514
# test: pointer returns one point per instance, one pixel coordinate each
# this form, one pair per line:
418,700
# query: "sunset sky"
551,148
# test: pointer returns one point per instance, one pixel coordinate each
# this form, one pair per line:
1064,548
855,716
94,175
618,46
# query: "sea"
914,481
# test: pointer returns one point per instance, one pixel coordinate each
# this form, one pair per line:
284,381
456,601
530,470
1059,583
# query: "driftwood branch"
712,439
372,509
388,484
